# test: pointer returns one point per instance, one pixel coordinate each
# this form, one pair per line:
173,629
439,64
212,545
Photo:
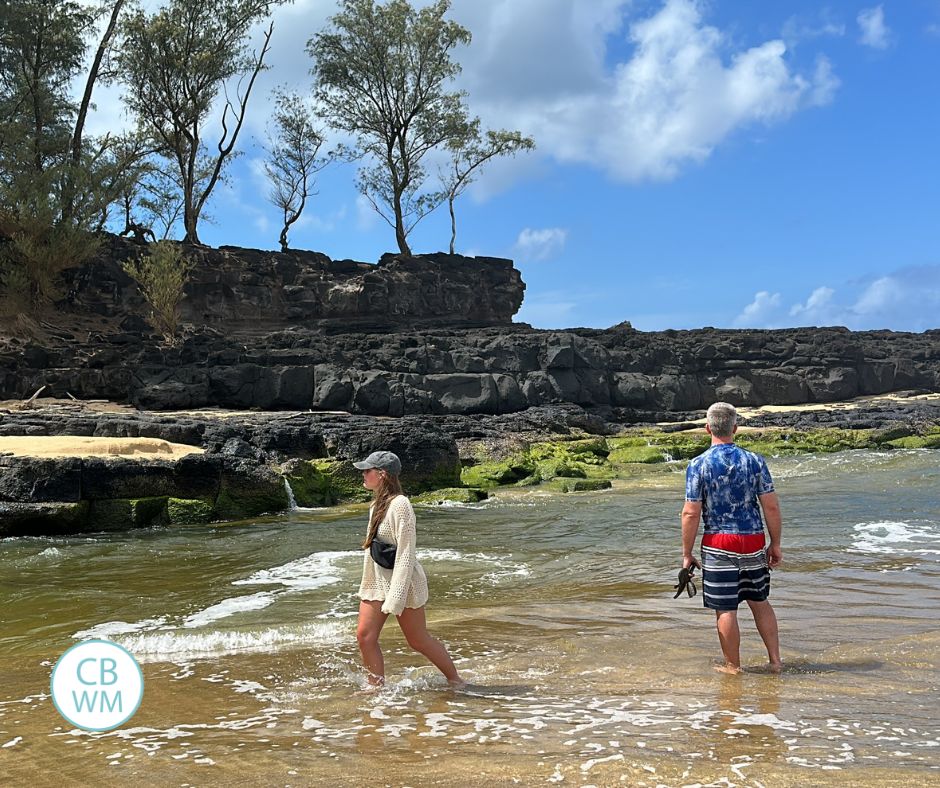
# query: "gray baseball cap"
383,460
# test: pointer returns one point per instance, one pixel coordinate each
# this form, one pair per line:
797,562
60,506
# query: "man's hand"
774,556
690,560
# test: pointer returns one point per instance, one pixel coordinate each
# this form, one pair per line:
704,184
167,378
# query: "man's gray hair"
722,418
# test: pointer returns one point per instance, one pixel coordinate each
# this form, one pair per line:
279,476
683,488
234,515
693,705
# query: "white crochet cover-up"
406,585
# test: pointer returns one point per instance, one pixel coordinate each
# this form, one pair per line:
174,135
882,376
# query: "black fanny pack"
383,553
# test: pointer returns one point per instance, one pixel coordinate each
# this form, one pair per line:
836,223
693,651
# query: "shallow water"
558,609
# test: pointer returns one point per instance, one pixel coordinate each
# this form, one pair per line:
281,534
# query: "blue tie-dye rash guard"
728,480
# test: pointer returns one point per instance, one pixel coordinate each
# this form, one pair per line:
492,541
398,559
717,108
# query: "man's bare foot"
457,683
727,667
775,667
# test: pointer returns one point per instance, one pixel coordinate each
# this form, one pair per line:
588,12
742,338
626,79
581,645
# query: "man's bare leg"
729,635
766,621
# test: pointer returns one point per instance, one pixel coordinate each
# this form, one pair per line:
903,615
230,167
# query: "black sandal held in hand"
685,582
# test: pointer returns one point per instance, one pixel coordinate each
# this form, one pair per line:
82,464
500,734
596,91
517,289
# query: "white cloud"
681,91
762,311
907,299
882,295
540,244
825,83
798,29
874,31
818,302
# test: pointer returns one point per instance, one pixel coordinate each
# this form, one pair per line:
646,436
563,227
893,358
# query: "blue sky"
698,162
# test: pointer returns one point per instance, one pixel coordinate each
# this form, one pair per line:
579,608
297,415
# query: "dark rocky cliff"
493,370
424,335
248,289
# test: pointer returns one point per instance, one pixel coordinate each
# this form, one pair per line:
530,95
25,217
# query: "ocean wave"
897,538
229,607
312,571
175,645
109,629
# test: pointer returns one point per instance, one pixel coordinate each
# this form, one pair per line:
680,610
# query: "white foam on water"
512,570
897,538
229,607
767,720
484,504
303,574
109,629
432,554
312,571
177,646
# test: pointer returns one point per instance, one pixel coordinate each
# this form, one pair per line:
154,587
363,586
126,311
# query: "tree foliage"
293,159
55,185
469,153
161,275
174,64
382,72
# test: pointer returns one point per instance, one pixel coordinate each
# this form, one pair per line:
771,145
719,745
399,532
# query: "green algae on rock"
189,511
318,483
567,485
118,514
451,495
560,464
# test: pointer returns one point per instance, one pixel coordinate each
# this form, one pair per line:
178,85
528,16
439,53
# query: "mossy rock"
578,485
451,495
583,450
494,474
187,511
247,491
122,514
916,442
589,446
832,440
318,483
684,446
768,449
549,469
625,441
893,433
643,454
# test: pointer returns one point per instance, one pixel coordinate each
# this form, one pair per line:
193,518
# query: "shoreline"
74,467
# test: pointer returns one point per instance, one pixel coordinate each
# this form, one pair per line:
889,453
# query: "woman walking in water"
401,591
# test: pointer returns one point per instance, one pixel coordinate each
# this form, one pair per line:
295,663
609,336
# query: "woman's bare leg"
413,624
371,621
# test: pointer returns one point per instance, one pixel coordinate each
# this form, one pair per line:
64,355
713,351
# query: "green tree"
175,63
161,275
55,185
293,159
469,153
381,75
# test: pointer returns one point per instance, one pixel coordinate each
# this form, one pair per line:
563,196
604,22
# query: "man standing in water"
729,487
